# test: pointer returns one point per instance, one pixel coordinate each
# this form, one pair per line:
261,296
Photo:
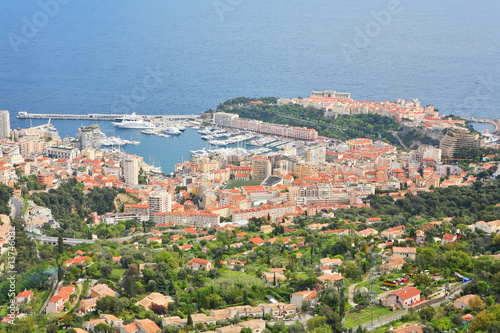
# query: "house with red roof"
403,298
75,261
200,264
449,238
409,329
24,297
300,297
56,303
257,240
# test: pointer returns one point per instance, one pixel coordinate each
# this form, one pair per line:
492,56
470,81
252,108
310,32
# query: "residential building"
409,329
24,297
300,297
261,168
200,264
130,167
61,152
101,290
89,137
274,212
392,264
159,201
454,140
463,302
87,305
488,227
155,300
316,155
403,298
404,252
45,177
56,303
4,124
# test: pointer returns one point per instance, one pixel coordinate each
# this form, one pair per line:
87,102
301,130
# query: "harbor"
104,116
494,122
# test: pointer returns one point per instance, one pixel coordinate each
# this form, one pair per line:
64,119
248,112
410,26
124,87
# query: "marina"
103,116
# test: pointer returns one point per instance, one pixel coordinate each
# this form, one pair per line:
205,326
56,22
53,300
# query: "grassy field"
355,319
117,273
239,183
38,300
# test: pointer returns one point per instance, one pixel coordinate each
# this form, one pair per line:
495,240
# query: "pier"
495,122
102,116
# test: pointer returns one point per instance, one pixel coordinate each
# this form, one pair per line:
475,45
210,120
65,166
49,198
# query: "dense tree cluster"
70,205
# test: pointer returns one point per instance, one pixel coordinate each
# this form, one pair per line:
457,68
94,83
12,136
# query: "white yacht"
133,121
172,130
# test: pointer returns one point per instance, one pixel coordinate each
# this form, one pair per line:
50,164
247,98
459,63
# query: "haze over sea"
91,56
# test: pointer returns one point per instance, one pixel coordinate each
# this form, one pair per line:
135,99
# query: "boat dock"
102,116
495,122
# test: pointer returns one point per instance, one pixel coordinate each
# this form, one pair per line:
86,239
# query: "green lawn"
355,319
38,300
117,273
239,183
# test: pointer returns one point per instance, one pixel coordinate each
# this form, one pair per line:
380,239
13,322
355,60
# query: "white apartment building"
159,201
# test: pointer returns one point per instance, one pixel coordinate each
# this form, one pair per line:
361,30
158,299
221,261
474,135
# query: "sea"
185,57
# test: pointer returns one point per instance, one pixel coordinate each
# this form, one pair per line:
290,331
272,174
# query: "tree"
246,330
51,328
5,195
427,313
481,322
323,329
279,326
23,325
423,280
476,304
103,328
306,305
296,328
315,322
456,319
105,270
361,329
494,327
60,244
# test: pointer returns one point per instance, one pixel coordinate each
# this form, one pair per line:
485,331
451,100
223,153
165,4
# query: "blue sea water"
184,57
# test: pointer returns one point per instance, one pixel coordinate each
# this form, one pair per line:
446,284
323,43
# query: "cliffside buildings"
454,140
233,120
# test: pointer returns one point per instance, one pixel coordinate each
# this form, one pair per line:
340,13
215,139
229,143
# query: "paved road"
17,206
119,239
55,285
395,134
351,289
436,300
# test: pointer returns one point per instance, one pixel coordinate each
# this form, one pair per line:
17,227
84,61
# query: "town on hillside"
293,230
